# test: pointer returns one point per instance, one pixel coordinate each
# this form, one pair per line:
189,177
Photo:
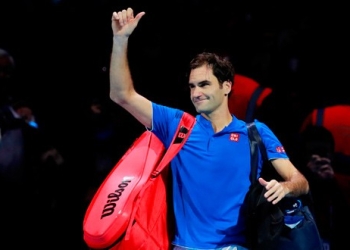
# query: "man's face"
207,94
321,166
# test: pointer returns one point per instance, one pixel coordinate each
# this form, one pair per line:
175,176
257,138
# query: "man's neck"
219,121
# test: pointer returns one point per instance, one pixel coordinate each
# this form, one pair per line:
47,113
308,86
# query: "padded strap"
184,129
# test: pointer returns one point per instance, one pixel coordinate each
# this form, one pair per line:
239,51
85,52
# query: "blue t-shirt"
210,178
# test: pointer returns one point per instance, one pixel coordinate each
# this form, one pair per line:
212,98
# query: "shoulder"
165,118
161,111
262,127
165,121
265,132
272,143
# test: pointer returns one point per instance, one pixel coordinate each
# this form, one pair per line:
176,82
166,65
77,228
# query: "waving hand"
124,22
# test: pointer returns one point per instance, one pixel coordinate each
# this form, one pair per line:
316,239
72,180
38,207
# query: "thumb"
263,182
139,15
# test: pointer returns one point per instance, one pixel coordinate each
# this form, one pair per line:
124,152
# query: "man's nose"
196,92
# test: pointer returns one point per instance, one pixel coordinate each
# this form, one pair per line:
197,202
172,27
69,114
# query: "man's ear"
227,86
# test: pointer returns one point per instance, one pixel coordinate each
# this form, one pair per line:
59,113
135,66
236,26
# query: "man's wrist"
120,37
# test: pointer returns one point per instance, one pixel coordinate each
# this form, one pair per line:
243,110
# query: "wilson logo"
181,135
112,199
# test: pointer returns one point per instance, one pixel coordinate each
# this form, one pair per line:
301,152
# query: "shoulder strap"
252,103
256,145
253,152
256,136
183,131
319,116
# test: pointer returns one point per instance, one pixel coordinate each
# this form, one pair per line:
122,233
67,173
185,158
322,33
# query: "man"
317,150
335,118
20,153
211,172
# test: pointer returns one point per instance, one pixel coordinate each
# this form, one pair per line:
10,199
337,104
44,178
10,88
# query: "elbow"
122,98
115,98
118,97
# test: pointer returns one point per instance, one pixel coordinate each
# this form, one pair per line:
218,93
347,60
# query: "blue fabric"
210,178
232,247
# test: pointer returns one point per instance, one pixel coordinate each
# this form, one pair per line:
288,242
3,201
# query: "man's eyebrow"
201,82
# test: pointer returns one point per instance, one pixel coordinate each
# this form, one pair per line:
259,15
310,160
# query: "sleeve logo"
280,149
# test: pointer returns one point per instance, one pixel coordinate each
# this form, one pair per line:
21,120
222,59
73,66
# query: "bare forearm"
121,84
297,185
294,184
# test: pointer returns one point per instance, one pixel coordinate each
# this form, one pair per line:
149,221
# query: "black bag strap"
256,145
252,103
183,131
319,116
253,140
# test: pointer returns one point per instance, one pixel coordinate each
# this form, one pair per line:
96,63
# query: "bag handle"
183,131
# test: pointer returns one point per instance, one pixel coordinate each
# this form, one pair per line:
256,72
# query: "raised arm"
122,89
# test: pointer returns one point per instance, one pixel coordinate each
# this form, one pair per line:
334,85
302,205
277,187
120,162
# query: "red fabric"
337,120
131,209
116,202
150,228
242,90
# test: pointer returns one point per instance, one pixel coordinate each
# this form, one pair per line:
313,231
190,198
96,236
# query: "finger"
115,16
129,14
263,182
139,15
119,17
268,194
123,19
272,190
272,197
271,183
278,198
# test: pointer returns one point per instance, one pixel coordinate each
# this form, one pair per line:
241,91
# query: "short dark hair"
221,66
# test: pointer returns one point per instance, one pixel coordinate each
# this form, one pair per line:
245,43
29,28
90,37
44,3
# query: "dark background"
62,50
62,47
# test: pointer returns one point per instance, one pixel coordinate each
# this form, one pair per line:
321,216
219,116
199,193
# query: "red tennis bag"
130,211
